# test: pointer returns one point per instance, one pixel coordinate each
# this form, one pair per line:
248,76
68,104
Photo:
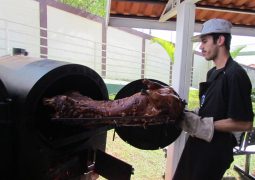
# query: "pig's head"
165,99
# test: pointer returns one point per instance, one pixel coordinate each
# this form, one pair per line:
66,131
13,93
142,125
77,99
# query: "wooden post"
181,74
43,29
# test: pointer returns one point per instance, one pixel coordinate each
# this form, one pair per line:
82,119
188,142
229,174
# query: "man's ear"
221,40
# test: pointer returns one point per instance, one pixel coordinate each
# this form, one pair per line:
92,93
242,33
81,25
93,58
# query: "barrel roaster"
37,148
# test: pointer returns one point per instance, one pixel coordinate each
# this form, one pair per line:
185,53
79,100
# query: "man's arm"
231,125
203,128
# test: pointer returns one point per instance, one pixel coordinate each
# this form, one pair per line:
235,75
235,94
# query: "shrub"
253,95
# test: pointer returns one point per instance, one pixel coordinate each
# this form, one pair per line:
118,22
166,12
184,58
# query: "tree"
170,48
167,45
96,7
236,51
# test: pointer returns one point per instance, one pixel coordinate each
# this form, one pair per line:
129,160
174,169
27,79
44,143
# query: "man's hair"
227,39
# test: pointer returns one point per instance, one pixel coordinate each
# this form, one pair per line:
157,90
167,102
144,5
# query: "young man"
225,107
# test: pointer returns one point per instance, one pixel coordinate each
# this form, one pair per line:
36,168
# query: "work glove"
196,126
196,110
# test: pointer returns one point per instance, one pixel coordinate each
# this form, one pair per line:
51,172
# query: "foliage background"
96,7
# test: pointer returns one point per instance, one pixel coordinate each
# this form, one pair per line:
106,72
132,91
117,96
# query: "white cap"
214,26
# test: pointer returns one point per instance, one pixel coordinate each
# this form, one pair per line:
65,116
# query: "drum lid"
152,137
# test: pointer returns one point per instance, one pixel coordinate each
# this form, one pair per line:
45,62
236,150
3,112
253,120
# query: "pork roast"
156,100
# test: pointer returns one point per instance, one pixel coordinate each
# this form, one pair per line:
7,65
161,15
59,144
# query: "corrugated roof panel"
239,12
138,8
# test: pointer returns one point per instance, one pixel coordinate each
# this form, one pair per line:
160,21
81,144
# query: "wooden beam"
168,15
181,75
149,23
171,9
133,22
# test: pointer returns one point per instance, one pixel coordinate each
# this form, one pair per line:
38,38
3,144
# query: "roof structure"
179,16
161,14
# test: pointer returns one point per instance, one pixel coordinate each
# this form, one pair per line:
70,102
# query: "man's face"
209,48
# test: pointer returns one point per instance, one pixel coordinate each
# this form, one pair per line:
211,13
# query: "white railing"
121,63
14,34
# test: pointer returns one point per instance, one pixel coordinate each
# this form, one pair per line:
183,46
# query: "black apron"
211,105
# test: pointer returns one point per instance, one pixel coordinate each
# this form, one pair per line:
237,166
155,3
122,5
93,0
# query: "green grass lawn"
150,165
147,164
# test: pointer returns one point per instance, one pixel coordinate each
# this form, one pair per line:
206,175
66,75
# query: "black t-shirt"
228,94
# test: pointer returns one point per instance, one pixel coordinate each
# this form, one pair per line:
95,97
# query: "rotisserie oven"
36,146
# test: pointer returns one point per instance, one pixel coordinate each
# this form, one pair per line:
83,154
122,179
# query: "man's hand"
196,126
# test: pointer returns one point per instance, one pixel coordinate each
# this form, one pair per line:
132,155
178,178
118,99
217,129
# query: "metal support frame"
246,148
246,170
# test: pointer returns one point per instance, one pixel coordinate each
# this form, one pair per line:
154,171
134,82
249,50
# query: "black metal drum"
40,149
149,138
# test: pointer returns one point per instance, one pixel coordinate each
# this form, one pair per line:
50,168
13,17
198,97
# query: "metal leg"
246,171
247,163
